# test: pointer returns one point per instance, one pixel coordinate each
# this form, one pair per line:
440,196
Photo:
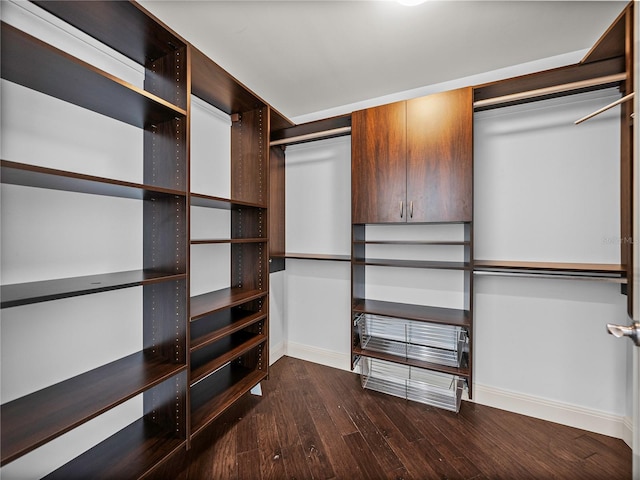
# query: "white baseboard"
276,352
318,355
554,411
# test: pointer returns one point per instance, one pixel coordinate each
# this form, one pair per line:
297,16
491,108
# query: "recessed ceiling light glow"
410,3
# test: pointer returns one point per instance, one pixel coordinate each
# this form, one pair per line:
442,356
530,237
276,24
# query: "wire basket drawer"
440,390
429,342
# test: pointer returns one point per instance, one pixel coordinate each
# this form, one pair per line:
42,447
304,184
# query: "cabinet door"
378,164
440,157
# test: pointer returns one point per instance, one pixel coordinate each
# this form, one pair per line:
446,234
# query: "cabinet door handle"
401,209
411,209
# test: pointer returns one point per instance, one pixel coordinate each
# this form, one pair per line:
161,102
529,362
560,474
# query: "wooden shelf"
124,26
208,201
215,86
223,351
214,394
211,302
311,131
131,453
462,372
77,82
49,178
236,321
550,267
447,316
42,291
412,242
30,421
612,42
205,241
317,256
427,264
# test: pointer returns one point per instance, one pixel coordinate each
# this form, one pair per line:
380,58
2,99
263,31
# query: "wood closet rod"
312,136
605,108
541,92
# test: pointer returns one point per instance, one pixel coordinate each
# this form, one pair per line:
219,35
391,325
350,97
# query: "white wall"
315,294
548,190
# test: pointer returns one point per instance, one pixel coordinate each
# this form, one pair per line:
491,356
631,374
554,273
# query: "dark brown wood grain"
77,82
318,126
249,157
549,78
627,213
448,316
440,157
214,85
277,245
131,453
366,434
17,294
378,164
125,26
211,302
35,419
612,42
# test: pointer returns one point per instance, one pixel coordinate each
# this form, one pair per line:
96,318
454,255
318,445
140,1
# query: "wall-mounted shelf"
585,271
74,81
35,419
211,302
421,313
208,201
426,264
17,294
41,177
131,453
317,256
227,241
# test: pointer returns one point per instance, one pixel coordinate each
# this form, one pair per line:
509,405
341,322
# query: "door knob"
632,331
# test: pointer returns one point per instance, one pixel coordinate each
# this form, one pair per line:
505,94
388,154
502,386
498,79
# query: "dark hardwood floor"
316,422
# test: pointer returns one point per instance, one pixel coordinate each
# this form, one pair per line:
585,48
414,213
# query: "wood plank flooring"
316,422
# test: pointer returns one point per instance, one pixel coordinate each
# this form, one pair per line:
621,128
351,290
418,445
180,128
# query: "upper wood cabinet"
413,161
379,164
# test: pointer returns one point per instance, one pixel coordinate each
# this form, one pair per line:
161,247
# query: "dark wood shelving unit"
214,394
372,310
229,328
159,371
412,163
222,352
37,418
133,452
216,342
232,321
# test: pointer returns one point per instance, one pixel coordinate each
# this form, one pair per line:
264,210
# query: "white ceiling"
309,56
